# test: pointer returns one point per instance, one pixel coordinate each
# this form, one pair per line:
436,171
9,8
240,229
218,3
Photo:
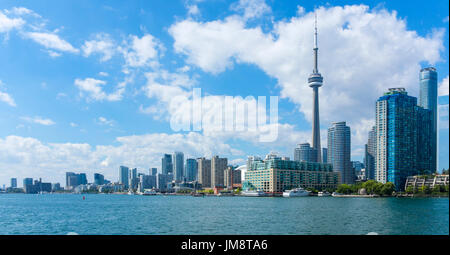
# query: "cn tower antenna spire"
316,49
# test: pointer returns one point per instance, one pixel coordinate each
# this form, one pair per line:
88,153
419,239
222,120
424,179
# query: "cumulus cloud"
93,89
29,157
38,120
251,8
102,44
362,52
142,52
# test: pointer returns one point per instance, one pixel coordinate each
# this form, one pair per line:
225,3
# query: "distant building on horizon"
99,179
13,182
153,171
324,155
204,172
218,166
304,152
339,151
370,150
178,166
166,164
123,176
191,169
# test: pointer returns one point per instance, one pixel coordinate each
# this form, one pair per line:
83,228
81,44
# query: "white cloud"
142,52
443,89
104,121
93,88
72,124
28,157
38,120
51,41
104,74
362,52
102,44
5,97
7,24
251,8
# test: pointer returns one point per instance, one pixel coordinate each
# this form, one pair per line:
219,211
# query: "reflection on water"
122,214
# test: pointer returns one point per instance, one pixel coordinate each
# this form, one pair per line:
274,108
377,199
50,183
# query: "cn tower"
315,81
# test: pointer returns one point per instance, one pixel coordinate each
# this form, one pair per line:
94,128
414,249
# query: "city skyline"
116,112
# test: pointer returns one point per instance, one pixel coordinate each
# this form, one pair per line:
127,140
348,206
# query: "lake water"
150,215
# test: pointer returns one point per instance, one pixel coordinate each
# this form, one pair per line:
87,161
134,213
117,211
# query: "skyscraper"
428,100
369,155
304,152
315,81
82,179
339,151
166,164
133,179
218,166
99,179
191,169
123,176
178,165
153,171
71,180
204,172
403,135
13,182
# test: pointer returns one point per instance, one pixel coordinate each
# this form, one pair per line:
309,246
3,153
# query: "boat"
297,192
253,193
130,192
335,194
323,194
149,192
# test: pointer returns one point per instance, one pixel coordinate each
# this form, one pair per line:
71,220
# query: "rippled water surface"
137,215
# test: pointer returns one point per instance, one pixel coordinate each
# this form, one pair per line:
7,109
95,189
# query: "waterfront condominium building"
178,166
218,166
152,171
339,151
369,154
133,179
275,175
428,100
162,180
191,169
204,172
403,138
304,152
166,164
123,176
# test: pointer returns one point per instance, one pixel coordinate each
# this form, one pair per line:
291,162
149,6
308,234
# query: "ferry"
149,193
253,193
297,192
323,194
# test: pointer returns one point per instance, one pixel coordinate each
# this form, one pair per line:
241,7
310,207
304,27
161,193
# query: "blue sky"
86,85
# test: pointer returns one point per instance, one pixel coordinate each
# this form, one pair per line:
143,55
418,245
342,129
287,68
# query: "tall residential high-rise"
339,151
218,165
204,172
324,155
403,135
304,152
133,179
370,154
166,164
71,180
315,81
123,176
428,100
178,166
99,179
13,182
27,184
191,169
82,179
153,171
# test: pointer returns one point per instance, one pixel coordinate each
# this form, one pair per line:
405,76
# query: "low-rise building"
275,175
426,180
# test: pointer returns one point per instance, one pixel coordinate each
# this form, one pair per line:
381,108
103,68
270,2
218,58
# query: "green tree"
409,190
344,189
377,188
369,186
387,189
